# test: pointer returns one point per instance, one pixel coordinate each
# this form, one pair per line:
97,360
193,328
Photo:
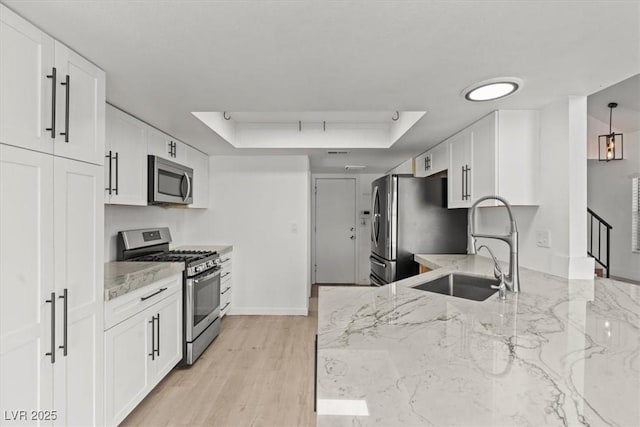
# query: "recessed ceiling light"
491,89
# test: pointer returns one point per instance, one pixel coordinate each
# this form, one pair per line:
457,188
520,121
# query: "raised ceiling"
626,116
165,59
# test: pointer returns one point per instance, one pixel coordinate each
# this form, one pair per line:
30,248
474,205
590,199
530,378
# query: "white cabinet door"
459,179
26,59
126,150
484,158
78,246
439,158
422,165
127,362
162,145
168,332
199,162
26,279
80,107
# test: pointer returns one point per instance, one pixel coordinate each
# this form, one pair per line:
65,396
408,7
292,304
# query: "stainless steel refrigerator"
410,216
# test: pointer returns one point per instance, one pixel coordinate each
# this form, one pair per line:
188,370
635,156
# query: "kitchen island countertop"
561,352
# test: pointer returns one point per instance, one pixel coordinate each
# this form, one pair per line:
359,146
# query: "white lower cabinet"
141,350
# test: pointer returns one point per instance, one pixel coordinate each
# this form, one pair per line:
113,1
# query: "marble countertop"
122,277
561,352
221,249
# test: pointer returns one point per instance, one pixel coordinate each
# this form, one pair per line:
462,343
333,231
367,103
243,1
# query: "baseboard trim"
268,311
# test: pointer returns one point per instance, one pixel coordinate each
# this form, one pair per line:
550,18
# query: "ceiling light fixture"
610,145
354,167
488,90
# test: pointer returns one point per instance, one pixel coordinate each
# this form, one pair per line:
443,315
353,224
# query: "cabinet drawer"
225,288
121,308
225,302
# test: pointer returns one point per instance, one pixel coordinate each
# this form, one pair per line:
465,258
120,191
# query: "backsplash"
118,218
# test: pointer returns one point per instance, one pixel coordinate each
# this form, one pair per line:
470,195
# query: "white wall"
563,197
260,205
363,236
118,218
609,195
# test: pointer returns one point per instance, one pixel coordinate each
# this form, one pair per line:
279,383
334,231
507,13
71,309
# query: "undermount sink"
461,285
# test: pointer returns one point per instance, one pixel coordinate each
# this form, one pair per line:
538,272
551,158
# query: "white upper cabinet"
26,80
432,161
497,155
80,107
199,162
125,159
162,145
52,99
460,184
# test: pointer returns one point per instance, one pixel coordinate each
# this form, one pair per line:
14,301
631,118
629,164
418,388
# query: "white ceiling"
165,59
626,116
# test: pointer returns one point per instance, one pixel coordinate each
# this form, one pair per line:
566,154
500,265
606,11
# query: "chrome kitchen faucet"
512,279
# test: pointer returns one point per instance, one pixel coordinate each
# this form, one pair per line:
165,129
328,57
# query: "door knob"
352,237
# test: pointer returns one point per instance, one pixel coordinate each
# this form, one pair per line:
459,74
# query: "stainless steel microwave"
169,182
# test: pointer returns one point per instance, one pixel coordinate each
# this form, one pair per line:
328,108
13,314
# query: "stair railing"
600,224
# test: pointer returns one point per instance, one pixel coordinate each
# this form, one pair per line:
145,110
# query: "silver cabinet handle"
225,291
225,306
226,274
224,260
52,353
65,316
375,262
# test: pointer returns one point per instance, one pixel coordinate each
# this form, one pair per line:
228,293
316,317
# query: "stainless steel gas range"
201,284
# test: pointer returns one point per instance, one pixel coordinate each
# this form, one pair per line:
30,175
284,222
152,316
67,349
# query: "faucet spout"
512,279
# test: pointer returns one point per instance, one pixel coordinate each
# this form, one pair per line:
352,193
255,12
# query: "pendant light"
610,145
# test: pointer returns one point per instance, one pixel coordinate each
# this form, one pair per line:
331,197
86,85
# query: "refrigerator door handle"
378,263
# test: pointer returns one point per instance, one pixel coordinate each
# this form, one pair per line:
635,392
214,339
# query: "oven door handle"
208,276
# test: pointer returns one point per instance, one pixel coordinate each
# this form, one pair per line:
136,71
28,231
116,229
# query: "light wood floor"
258,372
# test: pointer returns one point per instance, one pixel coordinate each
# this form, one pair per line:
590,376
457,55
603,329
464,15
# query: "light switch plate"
543,239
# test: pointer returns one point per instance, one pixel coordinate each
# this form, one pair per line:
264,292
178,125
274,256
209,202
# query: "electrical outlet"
543,239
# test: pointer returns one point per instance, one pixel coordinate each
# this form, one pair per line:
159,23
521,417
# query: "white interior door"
335,230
